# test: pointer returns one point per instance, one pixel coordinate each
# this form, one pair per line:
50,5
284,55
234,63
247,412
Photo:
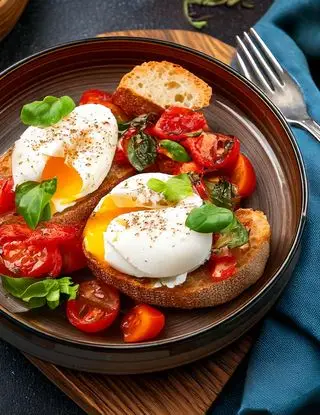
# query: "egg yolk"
69,182
112,207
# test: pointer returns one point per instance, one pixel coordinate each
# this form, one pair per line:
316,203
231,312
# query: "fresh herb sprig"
199,22
175,189
38,293
142,150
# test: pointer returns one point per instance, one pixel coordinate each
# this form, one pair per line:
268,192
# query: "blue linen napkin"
283,372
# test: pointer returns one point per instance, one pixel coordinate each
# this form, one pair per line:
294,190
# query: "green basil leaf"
142,151
47,112
232,236
156,185
32,200
209,218
222,193
176,150
178,188
139,122
38,293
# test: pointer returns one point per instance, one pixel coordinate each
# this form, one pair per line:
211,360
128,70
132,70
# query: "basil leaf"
139,122
47,112
176,150
222,193
209,218
39,293
233,236
142,151
156,185
32,200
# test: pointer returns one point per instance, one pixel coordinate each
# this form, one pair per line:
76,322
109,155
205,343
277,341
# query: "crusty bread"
154,86
198,290
80,212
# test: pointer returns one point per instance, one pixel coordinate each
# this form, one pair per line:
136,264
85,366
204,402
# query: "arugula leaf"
46,112
37,294
209,218
32,200
232,236
176,151
222,193
142,151
175,189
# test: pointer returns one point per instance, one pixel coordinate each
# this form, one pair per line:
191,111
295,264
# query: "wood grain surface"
10,11
187,390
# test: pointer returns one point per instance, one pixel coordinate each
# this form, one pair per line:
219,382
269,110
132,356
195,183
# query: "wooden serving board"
189,390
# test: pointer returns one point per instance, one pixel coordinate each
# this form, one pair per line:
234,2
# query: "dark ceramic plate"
237,108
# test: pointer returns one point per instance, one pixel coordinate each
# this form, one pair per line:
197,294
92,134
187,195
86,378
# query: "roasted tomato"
73,257
7,195
14,232
96,96
227,152
243,176
177,123
96,307
202,149
142,323
54,234
28,260
222,267
200,188
190,167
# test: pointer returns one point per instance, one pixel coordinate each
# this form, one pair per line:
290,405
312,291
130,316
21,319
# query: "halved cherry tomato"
243,176
95,309
228,150
27,260
7,195
14,232
142,323
222,267
176,123
202,149
96,96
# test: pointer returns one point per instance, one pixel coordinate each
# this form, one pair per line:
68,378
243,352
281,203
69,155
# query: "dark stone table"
44,23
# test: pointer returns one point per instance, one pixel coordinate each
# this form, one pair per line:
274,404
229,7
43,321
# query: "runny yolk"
69,182
112,207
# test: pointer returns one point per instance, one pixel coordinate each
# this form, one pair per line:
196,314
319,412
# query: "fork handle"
310,125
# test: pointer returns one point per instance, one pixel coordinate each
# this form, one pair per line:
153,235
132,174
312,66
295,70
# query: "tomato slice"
14,232
228,150
28,260
7,195
96,96
222,267
177,123
142,323
95,309
244,177
55,234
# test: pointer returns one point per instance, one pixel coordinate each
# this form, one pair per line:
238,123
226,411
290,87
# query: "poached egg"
137,232
78,151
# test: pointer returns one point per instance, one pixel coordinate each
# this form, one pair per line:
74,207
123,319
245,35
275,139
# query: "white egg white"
86,138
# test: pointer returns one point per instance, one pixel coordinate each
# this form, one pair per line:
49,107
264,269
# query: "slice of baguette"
199,291
154,86
80,212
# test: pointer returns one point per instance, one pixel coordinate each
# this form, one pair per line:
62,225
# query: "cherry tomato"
7,195
27,260
201,189
55,234
244,177
95,309
142,323
222,267
96,96
177,123
14,232
227,152
73,257
202,149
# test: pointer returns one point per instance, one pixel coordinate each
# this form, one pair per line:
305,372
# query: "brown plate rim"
298,156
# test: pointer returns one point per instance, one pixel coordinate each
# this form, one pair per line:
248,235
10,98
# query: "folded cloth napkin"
283,371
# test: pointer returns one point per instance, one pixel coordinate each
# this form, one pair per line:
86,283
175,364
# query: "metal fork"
257,63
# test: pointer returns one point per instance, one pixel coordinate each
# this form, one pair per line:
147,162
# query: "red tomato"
202,149
14,232
27,260
7,195
228,150
222,267
244,177
201,189
176,123
96,96
55,234
190,167
73,257
95,309
142,323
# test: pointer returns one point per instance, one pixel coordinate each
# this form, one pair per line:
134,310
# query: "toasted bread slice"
199,290
80,212
154,86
